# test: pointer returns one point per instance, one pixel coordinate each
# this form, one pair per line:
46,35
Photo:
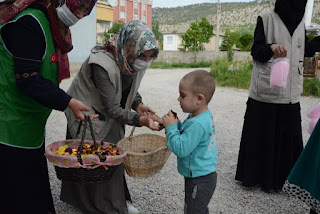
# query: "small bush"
201,64
311,87
237,74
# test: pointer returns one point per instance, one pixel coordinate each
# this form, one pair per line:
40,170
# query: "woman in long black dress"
271,138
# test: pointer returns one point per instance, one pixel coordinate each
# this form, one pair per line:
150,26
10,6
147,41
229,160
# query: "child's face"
188,100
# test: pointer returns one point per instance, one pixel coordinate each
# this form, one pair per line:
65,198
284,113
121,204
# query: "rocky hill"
241,15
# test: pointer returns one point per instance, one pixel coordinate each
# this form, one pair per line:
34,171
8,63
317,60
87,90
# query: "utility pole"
308,12
218,25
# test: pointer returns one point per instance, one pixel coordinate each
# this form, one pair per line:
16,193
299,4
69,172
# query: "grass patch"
311,87
238,75
163,65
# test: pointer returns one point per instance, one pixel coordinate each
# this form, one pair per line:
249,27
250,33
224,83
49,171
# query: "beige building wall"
105,14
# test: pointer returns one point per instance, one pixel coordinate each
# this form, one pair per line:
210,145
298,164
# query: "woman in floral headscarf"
35,40
108,81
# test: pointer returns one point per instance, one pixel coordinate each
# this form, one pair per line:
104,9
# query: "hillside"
233,14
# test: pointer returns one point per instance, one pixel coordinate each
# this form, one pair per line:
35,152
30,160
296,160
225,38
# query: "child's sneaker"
131,208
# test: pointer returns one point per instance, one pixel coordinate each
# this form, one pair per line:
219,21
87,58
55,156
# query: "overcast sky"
176,3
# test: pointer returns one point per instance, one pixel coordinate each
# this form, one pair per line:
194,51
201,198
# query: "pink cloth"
312,124
279,73
89,161
314,115
314,111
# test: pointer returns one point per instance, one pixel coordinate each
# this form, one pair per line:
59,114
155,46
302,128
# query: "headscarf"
60,32
291,12
129,43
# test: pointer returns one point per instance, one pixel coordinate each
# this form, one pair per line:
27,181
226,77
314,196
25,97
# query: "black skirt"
25,181
271,142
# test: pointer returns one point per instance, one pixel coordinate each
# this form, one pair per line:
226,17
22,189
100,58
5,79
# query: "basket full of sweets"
84,161
146,154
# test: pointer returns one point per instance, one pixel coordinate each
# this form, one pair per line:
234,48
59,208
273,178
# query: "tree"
198,33
229,40
116,27
157,33
246,42
113,30
155,29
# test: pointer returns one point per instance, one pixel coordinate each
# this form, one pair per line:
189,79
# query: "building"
128,10
83,37
105,11
172,40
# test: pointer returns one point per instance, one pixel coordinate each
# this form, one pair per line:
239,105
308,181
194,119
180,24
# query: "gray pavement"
164,192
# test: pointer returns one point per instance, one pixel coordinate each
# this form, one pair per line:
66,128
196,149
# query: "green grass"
202,64
311,87
236,74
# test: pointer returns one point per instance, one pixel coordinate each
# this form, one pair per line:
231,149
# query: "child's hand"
169,118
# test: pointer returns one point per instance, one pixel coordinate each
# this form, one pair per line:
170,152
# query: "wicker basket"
146,154
100,174
95,168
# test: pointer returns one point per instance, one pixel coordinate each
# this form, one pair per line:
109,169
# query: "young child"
194,141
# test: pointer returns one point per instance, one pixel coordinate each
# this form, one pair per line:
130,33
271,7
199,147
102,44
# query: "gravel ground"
163,193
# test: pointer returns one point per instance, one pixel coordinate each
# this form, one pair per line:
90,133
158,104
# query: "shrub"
237,74
311,87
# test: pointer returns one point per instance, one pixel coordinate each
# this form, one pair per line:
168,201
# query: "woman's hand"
279,50
149,121
169,118
144,110
77,107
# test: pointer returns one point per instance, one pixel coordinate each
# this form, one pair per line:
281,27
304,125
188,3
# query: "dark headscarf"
60,32
291,12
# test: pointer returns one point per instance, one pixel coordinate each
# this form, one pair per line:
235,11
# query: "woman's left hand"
149,121
144,110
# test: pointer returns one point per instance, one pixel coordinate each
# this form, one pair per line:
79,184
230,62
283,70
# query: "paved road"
163,193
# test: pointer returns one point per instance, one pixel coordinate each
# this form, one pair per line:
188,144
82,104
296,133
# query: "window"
135,5
135,16
143,6
144,18
122,15
169,40
122,3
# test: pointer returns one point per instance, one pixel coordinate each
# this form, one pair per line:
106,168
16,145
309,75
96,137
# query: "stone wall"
189,57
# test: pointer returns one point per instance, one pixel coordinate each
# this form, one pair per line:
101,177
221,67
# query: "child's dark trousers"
198,192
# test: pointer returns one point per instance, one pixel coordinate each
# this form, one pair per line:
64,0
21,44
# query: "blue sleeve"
182,144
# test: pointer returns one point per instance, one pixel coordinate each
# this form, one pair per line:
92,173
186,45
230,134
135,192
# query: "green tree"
157,33
240,39
229,40
113,30
198,33
155,29
246,42
116,27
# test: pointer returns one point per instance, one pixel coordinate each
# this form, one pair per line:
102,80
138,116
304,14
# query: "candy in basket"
84,161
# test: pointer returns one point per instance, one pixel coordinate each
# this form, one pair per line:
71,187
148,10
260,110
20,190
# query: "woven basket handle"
80,148
131,133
